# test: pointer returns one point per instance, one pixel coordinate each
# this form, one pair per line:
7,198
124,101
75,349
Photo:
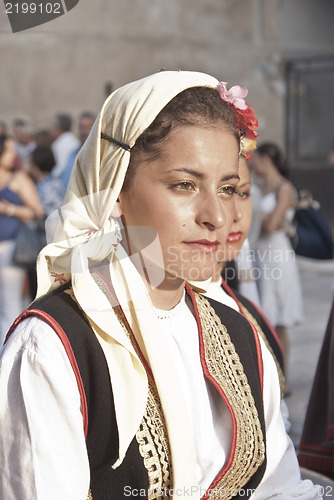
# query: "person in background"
219,290
243,261
279,283
64,141
50,190
19,202
3,127
43,138
330,159
316,449
86,121
24,138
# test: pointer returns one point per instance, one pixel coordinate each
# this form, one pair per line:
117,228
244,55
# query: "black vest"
102,435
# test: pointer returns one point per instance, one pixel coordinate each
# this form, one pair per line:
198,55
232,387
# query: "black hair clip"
115,141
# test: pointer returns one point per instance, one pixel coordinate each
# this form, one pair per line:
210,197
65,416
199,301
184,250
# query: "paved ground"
317,279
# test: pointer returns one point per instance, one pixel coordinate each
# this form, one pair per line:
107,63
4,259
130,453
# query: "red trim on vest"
313,447
220,391
256,335
319,464
269,325
68,349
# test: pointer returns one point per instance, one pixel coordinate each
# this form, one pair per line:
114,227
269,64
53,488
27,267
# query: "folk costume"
89,357
316,450
248,309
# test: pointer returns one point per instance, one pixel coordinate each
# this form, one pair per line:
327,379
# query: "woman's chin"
198,274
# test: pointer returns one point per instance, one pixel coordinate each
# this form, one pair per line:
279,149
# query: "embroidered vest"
231,360
263,327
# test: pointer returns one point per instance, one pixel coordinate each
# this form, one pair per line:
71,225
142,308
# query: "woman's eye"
228,191
183,186
243,194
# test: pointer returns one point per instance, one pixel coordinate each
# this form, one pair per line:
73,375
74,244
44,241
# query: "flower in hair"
235,95
247,146
246,120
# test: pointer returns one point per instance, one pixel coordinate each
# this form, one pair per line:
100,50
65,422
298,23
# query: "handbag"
309,232
30,240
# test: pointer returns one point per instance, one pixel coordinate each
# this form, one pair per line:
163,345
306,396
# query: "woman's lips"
204,245
234,237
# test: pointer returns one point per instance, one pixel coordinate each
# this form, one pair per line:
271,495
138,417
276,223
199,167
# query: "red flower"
246,122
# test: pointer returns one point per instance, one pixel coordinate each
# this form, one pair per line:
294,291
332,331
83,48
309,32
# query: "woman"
279,285
160,420
219,290
19,202
50,191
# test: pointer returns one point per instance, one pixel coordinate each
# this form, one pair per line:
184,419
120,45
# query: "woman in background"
19,202
219,290
279,284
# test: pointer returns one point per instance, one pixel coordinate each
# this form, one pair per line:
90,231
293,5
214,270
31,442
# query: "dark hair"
19,122
43,138
193,106
275,155
43,158
87,114
3,139
3,126
64,122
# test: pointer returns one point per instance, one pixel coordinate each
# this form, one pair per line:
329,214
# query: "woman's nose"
237,209
211,212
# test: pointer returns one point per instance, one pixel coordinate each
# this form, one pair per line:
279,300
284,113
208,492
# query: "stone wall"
67,64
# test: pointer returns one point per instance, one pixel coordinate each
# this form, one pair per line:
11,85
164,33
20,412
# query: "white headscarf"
89,232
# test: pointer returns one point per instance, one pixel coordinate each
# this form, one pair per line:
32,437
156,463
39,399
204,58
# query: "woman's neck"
165,299
167,294
165,290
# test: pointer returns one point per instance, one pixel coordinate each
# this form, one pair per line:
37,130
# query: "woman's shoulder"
285,187
60,305
34,340
20,180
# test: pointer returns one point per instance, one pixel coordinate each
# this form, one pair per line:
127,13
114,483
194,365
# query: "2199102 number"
33,8
326,491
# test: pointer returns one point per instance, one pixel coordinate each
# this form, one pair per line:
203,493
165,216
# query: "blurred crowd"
35,168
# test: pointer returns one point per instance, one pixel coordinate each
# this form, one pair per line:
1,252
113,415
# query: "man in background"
86,121
64,142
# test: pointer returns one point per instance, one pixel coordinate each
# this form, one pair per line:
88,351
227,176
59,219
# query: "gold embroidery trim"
225,367
152,436
251,318
154,447
90,496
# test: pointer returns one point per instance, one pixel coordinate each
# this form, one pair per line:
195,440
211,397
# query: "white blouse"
209,417
43,452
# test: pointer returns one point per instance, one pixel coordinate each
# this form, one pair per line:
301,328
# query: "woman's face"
8,156
186,196
243,212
